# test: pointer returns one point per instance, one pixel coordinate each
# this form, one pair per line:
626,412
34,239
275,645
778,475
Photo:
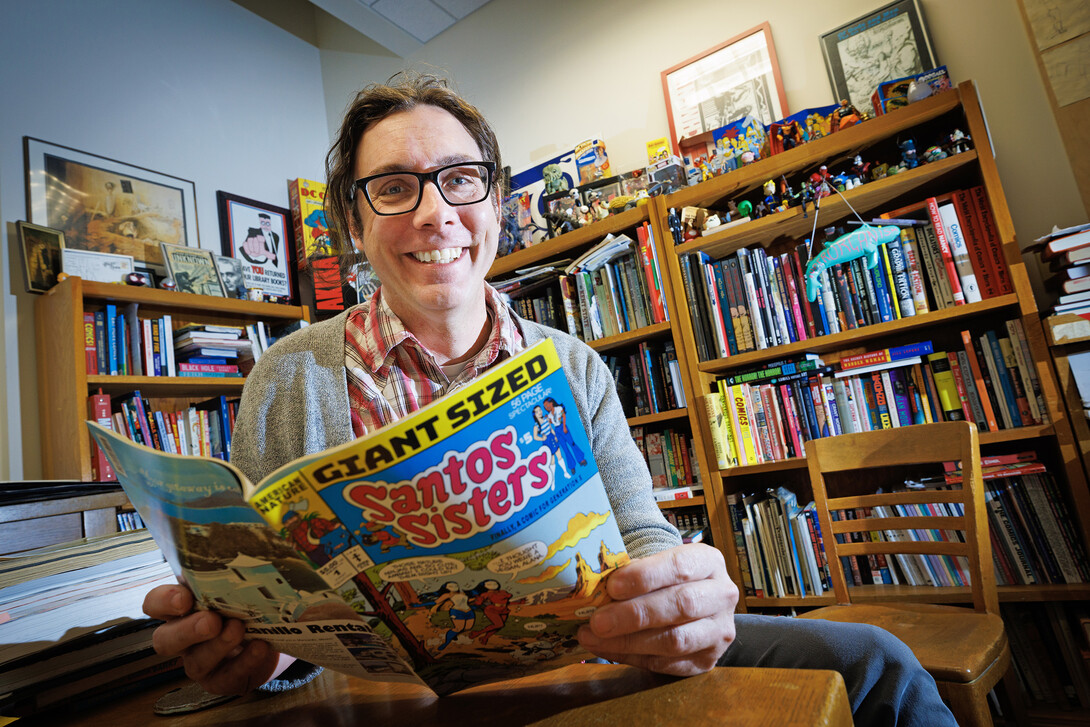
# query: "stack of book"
691,522
117,342
73,630
1067,253
203,429
535,295
948,254
211,350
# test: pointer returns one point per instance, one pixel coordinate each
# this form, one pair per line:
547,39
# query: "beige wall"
551,74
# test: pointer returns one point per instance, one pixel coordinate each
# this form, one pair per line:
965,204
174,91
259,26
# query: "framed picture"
891,42
104,205
232,275
260,236
737,78
42,248
193,270
103,267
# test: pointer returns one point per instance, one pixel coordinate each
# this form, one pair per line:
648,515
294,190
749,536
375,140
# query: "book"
959,248
306,199
946,251
946,386
886,355
460,505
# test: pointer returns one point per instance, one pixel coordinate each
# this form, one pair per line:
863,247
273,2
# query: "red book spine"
983,265
209,368
89,348
944,248
992,243
959,382
803,327
647,258
98,408
978,379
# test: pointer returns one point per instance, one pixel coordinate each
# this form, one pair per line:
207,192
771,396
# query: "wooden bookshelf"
960,108
63,382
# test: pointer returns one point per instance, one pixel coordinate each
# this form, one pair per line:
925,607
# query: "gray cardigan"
295,402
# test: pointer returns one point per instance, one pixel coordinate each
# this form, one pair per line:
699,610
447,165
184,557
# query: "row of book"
129,520
691,522
120,342
648,380
769,414
948,254
1050,650
782,551
201,430
671,458
612,288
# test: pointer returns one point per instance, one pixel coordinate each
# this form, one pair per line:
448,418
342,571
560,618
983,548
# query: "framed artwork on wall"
739,77
888,43
193,270
104,205
260,236
42,248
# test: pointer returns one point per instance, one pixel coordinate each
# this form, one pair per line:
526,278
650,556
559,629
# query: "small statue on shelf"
957,142
846,115
908,154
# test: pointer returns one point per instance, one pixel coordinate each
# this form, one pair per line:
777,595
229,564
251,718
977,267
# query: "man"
271,238
412,177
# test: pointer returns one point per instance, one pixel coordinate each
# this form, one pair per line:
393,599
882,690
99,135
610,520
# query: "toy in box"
634,182
657,150
591,161
307,201
894,94
666,176
793,130
517,230
744,139
532,181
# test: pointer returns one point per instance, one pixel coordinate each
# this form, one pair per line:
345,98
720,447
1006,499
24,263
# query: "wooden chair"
965,650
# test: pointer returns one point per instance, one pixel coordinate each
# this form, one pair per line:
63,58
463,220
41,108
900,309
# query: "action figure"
846,115
554,179
958,142
908,154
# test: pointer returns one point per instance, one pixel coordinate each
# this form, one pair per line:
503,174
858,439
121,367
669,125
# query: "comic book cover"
473,536
312,237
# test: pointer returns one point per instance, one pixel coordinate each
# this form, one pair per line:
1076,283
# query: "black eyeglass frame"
360,185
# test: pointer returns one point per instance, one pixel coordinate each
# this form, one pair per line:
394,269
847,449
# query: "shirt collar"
379,331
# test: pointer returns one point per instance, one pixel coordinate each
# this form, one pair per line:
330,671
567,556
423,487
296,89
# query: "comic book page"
237,565
476,533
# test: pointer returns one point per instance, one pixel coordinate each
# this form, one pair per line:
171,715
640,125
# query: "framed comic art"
888,43
104,205
193,270
260,236
232,275
42,248
739,77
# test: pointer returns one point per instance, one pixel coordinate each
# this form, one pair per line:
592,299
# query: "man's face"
231,278
417,289
266,225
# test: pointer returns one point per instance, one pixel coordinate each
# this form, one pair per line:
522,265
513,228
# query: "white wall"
551,74
200,89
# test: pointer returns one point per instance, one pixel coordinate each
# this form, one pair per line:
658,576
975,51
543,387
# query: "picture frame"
888,43
232,275
106,205
42,248
727,82
268,265
193,270
101,267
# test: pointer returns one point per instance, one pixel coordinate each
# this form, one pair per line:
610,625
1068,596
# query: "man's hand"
672,612
257,249
210,646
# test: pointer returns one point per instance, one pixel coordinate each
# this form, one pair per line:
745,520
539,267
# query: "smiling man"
412,176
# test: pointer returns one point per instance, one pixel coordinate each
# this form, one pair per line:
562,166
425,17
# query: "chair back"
915,528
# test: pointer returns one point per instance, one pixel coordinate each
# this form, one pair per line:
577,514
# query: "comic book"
464,543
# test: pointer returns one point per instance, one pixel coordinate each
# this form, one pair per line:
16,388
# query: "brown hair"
402,92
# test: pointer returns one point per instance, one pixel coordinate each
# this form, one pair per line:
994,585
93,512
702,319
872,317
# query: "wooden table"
577,695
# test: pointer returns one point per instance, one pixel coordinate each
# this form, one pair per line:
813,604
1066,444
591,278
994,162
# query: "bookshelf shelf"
202,305
167,385
689,502
629,338
557,247
781,465
927,594
792,223
662,416
1017,434
847,339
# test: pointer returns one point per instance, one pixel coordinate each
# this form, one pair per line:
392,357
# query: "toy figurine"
879,171
846,115
859,168
598,210
819,180
958,142
554,179
858,243
138,279
908,154
674,223
745,208
771,201
934,153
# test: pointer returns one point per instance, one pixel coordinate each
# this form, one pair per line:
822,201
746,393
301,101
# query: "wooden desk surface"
575,696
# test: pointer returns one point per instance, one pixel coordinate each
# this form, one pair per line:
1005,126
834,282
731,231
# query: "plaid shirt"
391,375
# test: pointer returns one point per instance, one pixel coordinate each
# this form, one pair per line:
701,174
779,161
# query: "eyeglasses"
395,193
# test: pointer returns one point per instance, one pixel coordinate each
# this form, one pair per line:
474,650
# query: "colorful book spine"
945,251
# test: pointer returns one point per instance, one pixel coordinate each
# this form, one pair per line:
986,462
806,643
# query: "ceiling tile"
460,8
421,19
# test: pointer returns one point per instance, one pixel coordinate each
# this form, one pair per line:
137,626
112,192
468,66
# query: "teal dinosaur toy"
864,241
